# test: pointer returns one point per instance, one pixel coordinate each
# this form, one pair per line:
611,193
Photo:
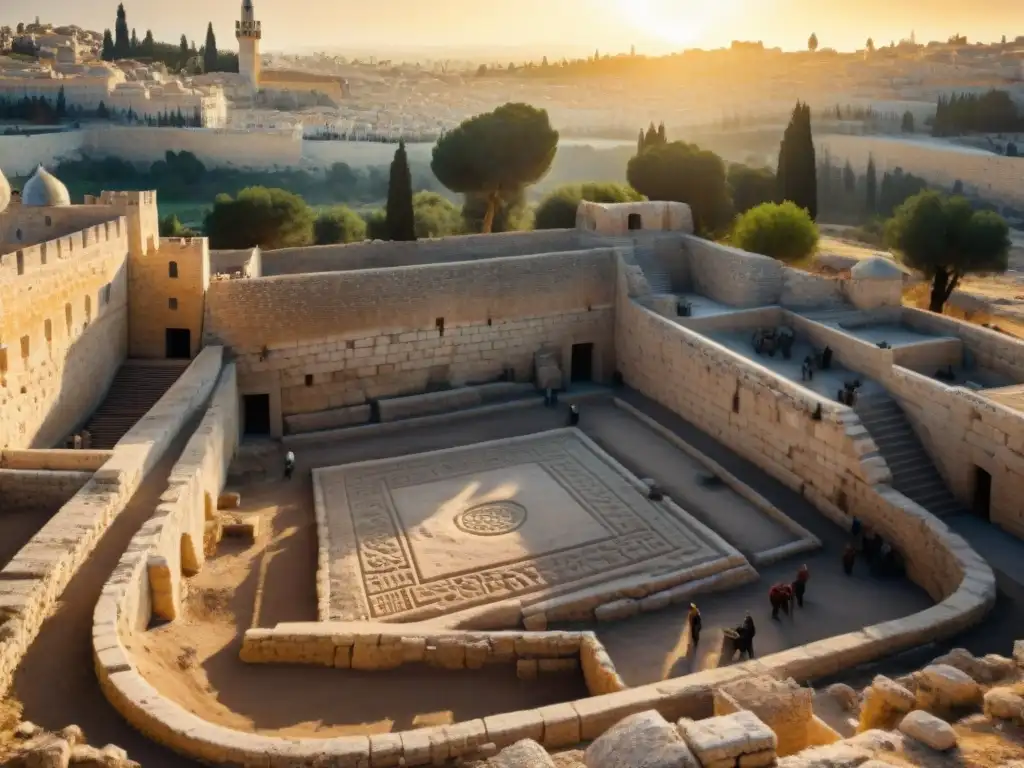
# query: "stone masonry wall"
988,348
731,276
24,226
32,582
380,254
40,491
63,332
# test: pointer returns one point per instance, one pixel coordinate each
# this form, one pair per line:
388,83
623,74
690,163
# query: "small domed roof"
44,190
5,192
876,268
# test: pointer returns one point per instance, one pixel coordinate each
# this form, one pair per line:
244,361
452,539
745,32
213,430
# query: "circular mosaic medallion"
492,518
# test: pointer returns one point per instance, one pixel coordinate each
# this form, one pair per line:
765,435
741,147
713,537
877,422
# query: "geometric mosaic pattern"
431,534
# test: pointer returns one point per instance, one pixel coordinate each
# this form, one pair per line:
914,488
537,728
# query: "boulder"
987,669
740,736
644,739
844,696
72,734
849,753
929,730
1004,704
26,730
47,751
885,702
523,754
1018,652
941,687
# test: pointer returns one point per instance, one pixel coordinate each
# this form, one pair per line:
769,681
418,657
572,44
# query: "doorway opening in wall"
982,494
179,343
582,365
256,414
634,221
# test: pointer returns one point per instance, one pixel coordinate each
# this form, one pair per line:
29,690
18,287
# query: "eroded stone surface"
522,754
644,739
928,729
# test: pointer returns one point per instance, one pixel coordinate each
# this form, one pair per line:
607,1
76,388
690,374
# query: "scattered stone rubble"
38,748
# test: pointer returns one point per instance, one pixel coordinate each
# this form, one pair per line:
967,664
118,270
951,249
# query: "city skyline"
613,26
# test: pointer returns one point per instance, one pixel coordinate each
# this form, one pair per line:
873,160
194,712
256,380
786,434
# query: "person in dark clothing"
855,527
849,556
826,358
746,632
695,625
289,465
800,585
574,415
779,596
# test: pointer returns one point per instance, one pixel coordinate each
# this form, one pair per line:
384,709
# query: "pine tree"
849,178
62,104
121,41
148,44
640,142
797,173
101,111
134,42
400,221
662,139
871,185
210,54
651,138
108,46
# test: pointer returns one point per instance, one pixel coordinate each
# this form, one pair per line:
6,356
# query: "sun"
679,22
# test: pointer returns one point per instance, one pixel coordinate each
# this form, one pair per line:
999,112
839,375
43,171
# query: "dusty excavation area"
260,583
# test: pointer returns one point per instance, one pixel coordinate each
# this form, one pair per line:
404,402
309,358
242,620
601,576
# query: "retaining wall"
54,458
32,582
41,491
989,349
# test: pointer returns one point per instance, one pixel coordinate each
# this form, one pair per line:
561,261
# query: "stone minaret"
249,32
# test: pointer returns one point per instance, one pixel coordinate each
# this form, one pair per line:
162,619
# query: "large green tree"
750,187
944,238
871,188
558,208
798,169
496,154
400,221
783,231
435,215
210,50
269,218
107,53
684,173
339,224
122,43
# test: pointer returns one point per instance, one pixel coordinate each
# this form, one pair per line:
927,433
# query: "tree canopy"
210,50
401,224
435,215
944,238
798,170
558,208
684,173
750,187
269,218
496,154
783,231
339,224
122,44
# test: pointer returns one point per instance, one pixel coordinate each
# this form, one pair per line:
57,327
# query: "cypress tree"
640,143
134,42
122,45
108,46
62,104
400,221
210,54
871,184
797,173
148,44
662,139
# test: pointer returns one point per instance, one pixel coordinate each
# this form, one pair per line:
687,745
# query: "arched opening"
634,221
189,561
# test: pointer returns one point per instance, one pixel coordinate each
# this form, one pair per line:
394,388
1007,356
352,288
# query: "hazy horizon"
541,27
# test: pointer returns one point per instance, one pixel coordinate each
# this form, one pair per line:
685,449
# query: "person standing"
289,465
849,556
695,624
800,585
747,634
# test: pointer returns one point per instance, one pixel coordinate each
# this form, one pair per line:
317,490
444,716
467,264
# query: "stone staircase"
913,473
657,276
135,390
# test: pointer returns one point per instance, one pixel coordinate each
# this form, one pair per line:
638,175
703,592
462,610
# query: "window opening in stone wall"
309,379
439,324
25,347
178,342
172,269
17,234
982,506
48,330
21,263
67,315
106,294
172,303
634,221
49,221
736,402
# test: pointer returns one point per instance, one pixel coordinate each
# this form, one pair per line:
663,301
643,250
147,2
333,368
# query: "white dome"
5,192
876,268
44,190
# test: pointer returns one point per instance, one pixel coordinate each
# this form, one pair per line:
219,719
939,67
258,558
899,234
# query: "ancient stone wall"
964,431
380,254
24,226
930,356
168,289
60,459
39,491
32,582
850,352
984,347
63,332
804,290
731,276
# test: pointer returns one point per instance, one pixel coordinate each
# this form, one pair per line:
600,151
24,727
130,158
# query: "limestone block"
1004,704
536,622
757,759
414,649
561,725
229,500
373,652
556,666
885,702
243,527
844,695
343,657
987,669
446,653
941,686
511,727
644,739
476,654
213,532
503,648
617,610
385,750
727,737
45,751
526,669
522,754
929,730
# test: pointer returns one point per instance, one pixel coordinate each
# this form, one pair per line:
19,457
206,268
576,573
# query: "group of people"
876,551
783,595
744,642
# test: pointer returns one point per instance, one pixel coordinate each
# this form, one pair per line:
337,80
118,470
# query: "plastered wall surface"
379,254
64,331
168,288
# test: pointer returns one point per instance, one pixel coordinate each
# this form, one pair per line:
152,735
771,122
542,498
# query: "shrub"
779,230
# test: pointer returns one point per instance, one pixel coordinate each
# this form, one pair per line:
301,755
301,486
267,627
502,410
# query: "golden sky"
654,26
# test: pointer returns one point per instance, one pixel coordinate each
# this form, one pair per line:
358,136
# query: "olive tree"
944,238
496,154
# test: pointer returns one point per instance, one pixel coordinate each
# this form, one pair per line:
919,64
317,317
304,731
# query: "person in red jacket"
779,596
800,585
